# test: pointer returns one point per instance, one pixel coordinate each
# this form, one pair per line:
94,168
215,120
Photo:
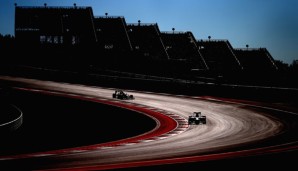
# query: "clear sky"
259,23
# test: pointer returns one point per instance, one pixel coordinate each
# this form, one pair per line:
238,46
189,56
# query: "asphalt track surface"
233,129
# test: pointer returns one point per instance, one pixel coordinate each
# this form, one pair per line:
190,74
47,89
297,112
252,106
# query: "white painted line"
130,144
145,141
88,97
160,138
77,151
98,148
180,129
177,117
103,148
6,159
41,155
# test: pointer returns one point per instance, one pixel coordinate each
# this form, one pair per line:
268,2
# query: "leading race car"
119,94
196,118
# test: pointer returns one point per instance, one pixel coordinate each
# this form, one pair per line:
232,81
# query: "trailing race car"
197,118
119,94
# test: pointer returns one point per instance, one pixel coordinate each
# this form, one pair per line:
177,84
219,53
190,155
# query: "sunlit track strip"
228,124
225,100
162,118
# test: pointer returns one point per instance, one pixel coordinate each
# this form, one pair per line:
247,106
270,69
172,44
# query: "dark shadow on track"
56,122
282,161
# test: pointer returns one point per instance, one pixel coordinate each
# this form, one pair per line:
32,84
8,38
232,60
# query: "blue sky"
259,23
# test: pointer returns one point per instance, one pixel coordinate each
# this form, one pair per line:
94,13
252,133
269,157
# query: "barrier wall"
11,118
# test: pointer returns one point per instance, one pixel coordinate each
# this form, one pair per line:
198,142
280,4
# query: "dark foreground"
55,122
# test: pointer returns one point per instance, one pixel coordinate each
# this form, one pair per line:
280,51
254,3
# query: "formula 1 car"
196,118
119,94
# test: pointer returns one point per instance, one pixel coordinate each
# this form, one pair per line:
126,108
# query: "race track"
230,130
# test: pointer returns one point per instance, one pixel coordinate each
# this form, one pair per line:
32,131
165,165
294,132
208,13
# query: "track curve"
230,128
15,116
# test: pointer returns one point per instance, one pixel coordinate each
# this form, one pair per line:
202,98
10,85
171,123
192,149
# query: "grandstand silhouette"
70,36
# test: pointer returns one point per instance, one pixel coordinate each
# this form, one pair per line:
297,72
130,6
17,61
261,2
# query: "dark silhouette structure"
256,59
181,46
146,41
72,38
219,55
54,26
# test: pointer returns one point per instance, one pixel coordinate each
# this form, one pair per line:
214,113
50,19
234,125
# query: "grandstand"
73,36
219,55
256,59
36,26
259,67
113,41
182,46
112,34
146,41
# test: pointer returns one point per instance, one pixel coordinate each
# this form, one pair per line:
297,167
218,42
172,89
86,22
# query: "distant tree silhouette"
281,65
294,66
106,14
139,21
45,5
209,37
75,5
294,73
247,46
7,46
6,41
173,30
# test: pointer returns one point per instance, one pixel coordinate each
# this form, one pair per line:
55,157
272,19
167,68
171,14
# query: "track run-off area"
233,129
